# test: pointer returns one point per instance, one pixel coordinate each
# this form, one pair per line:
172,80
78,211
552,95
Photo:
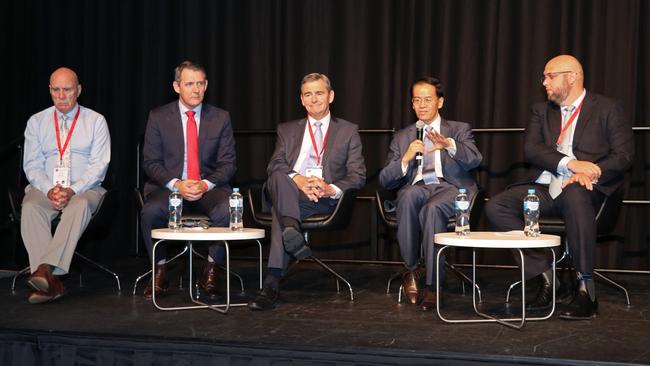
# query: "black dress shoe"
544,298
294,243
265,299
581,308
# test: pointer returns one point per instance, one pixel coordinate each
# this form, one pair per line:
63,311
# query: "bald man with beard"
578,145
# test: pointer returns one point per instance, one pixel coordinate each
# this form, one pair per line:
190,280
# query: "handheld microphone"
420,136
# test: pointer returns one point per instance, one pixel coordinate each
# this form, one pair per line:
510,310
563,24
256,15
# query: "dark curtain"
489,54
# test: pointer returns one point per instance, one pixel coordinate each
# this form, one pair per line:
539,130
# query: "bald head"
563,79
64,89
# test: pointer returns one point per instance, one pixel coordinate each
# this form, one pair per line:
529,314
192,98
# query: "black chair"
98,227
605,223
389,219
336,220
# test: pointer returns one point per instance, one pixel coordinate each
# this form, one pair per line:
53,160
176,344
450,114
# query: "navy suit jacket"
456,169
602,136
343,163
164,146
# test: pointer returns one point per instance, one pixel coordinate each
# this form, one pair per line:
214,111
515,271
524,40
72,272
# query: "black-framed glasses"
552,75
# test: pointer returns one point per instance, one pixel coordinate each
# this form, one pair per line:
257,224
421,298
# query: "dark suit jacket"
164,146
602,136
455,170
343,163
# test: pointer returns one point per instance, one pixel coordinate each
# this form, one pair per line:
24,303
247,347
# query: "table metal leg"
221,308
488,318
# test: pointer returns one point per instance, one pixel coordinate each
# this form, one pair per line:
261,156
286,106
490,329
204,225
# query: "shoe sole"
39,284
294,243
568,317
43,299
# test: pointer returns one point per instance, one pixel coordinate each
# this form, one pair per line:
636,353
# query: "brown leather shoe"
411,285
40,279
428,299
209,284
160,280
56,290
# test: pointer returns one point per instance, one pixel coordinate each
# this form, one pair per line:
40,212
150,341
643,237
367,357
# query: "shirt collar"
578,101
435,123
70,115
183,109
325,120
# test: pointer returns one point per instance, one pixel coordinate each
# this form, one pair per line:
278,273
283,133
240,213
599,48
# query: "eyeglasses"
425,100
552,75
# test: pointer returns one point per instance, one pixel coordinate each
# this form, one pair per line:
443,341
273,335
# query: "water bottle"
175,209
462,213
236,210
531,214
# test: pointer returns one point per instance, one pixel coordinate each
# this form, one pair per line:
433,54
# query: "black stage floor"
314,325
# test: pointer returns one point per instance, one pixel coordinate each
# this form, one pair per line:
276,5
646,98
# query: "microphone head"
419,125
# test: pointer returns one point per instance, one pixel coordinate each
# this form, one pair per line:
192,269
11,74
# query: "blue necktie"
312,157
429,162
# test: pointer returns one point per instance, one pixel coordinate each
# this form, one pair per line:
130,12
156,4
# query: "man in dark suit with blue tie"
315,160
188,146
427,187
578,144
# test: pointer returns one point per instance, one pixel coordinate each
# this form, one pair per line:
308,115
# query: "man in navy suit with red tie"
578,145
188,146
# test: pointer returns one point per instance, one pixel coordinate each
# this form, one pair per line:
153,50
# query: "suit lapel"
206,117
176,128
298,134
588,107
554,122
445,131
331,134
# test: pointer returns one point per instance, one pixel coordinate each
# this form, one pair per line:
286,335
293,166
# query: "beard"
560,94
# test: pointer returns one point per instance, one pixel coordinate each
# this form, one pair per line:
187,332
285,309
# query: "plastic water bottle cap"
235,189
531,190
462,190
175,189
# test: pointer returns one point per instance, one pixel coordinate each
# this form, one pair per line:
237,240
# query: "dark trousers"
423,211
288,201
575,205
154,215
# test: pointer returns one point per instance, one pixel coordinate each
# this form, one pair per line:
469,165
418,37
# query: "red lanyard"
568,123
67,139
313,142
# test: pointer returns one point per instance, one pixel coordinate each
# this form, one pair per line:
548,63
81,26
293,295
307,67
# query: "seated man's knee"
408,195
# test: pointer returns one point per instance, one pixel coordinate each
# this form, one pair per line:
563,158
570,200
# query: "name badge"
61,176
314,171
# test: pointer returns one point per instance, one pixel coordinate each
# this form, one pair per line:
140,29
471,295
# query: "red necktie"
193,171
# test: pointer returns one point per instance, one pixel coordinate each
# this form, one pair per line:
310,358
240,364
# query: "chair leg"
464,279
395,276
335,274
615,284
97,265
21,272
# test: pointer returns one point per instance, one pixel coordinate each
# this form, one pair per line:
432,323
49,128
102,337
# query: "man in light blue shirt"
67,151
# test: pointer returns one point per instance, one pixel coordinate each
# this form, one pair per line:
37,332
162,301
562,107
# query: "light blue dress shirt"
90,149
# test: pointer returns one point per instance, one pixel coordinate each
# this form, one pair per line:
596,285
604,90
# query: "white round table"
495,240
211,234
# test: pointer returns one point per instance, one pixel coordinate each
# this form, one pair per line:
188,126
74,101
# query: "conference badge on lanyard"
61,174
